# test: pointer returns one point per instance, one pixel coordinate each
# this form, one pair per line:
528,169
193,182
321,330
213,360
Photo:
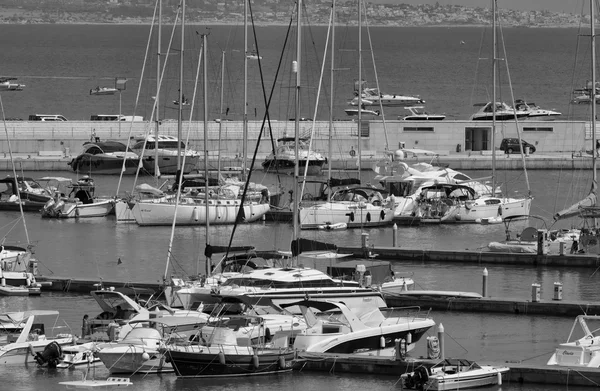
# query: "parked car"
511,145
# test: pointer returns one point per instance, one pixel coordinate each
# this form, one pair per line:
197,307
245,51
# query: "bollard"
441,341
561,249
484,287
535,292
558,289
365,240
395,236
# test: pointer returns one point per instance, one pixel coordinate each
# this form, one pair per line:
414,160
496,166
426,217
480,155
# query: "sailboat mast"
494,76
221,113
206,198
296,69
180,111
331,72
156,102
245,124
593,94
360,86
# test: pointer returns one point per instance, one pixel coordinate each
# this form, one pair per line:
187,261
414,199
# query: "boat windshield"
261,283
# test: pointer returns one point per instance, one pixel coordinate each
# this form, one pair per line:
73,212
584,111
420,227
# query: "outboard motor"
51,355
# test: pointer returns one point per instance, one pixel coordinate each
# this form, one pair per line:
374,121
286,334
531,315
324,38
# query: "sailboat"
355,206
587,208
448,203
17,267
218,205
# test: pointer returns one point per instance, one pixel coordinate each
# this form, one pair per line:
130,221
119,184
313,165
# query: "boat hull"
220,212
203,361
470,379
96,164
130,359
21,353
78,210
353,214
167,164
284,166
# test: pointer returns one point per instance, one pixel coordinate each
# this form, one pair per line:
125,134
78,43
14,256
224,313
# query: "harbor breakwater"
43,146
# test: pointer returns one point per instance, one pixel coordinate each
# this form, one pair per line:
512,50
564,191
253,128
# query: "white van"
46,117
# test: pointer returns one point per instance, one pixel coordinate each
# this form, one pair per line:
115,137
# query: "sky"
569,6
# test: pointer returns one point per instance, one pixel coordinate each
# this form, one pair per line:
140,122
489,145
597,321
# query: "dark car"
510,145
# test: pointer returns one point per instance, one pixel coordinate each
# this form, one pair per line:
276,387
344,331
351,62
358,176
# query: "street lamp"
121,85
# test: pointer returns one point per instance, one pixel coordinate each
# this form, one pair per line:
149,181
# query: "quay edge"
43,146
520,373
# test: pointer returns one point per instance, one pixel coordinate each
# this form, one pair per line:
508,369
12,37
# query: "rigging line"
512,96
366,22
265,118
13,169
136,100
312,131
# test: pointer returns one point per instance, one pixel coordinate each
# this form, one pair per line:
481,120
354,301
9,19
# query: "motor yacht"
283,160
165,149
582,348
503,112
418,113
336,327
453,374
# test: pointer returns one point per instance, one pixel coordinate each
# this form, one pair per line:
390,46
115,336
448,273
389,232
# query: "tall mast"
221,113
330,148
157,101
494,76
206,198
296,69
180,111
245,125
593,94
360,86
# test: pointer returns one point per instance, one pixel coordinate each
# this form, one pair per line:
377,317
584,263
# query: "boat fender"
368,217
195,214
255,361
382,215
351,215
382,342
221,358
281,362
267,335
145,356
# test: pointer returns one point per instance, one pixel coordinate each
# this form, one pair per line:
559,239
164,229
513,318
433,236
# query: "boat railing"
408,313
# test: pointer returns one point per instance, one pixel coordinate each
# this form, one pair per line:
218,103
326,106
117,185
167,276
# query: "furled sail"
575,209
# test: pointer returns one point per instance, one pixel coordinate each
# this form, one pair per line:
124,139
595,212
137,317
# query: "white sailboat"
356,206
587,208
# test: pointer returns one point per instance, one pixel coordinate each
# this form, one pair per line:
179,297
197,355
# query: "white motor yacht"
418,113
283,160
337,327
580,351
503,112
453,374
535,112
165,149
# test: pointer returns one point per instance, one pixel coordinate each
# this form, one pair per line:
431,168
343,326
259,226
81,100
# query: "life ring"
352,152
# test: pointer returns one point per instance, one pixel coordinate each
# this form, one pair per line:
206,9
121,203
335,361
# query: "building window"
538,129
418,129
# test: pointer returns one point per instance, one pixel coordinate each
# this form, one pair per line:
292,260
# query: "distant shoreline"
277,24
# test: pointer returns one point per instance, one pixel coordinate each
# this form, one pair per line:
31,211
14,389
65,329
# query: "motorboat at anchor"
283,160
164,149
453,374
353,112
374,97
418,113
334,327
81,201
32,194
535,112
28,345
105,157
7,84
503,112
581,351
103,91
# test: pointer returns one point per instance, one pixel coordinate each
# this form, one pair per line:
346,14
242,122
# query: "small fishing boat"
453,374
103,91
79,355
7,84
81,201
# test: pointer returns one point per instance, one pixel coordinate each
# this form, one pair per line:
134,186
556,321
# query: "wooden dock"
479,257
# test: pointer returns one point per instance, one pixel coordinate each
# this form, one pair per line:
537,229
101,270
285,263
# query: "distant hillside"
268,12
